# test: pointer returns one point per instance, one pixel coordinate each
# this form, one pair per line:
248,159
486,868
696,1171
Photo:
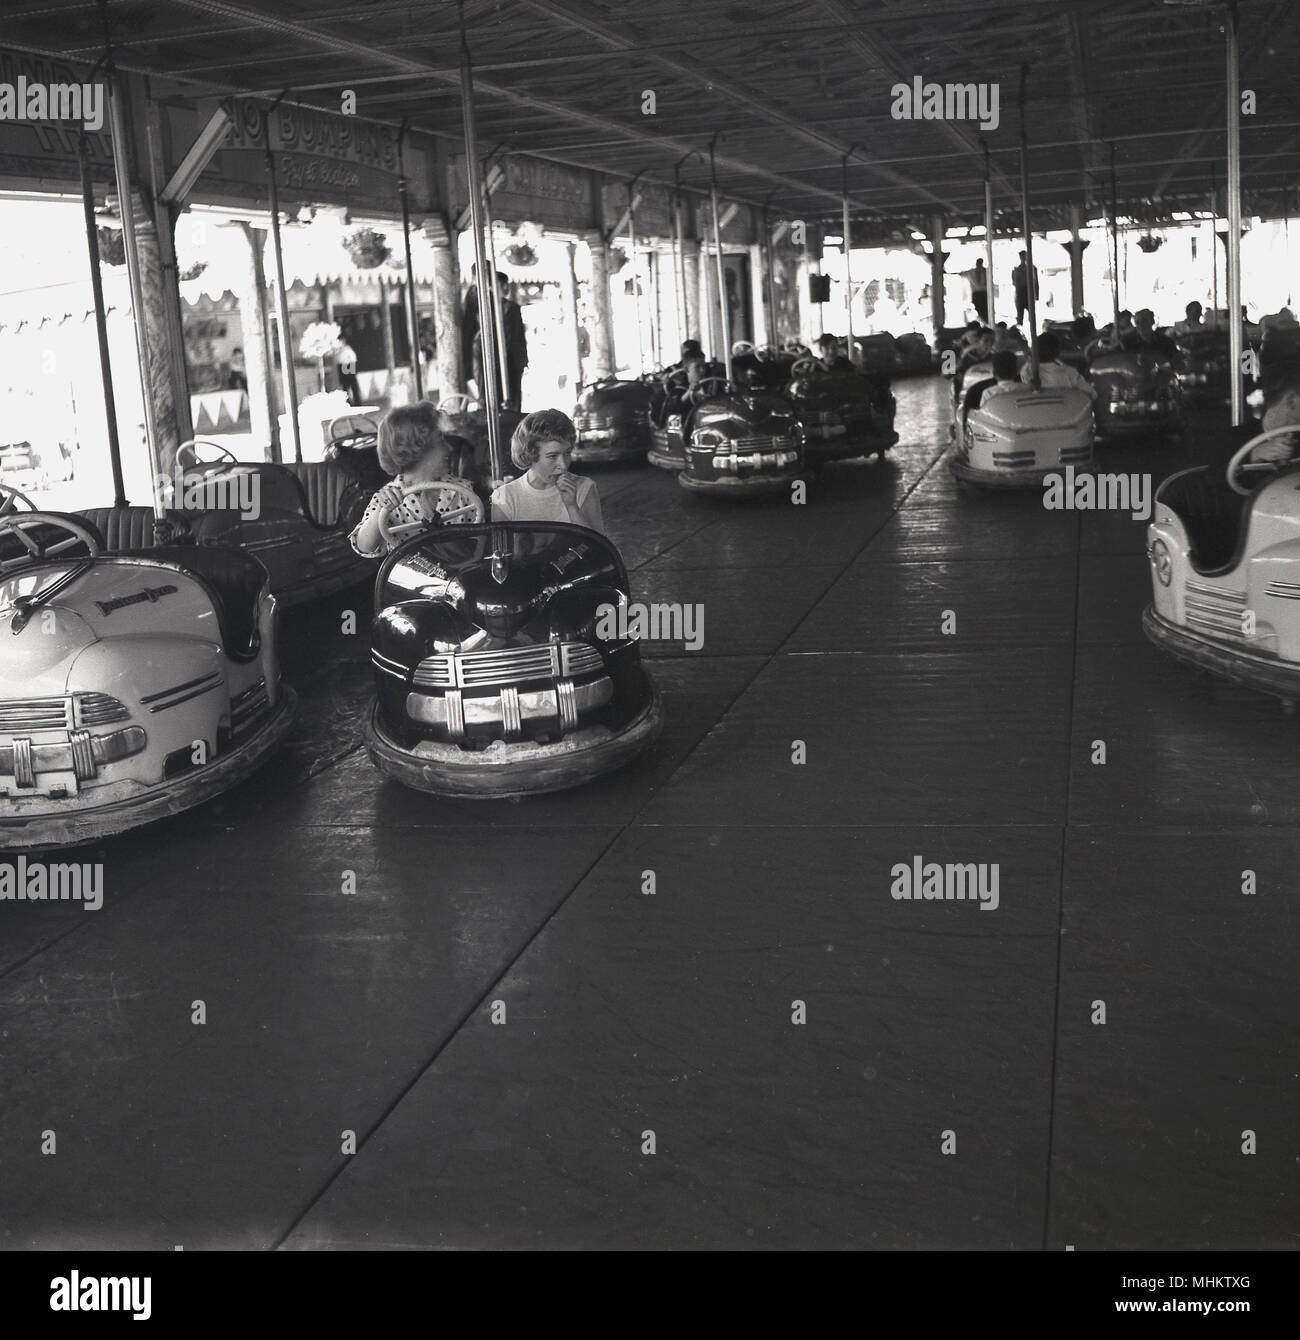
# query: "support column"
1076,246
691,271
447,331
602,336
569,315
938,258
710,322
386,330
251,293
760,296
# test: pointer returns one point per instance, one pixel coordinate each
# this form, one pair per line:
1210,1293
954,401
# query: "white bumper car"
1225,571
1016,439
134,684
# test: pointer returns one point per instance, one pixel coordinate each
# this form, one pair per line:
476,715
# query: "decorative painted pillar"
602,336
938,258
251,293
156,332
569,315
446,312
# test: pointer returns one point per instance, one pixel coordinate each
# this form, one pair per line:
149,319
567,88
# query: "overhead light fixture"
199,156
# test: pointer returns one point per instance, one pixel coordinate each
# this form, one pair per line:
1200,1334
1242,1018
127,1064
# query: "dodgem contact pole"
769,258
498,302
413,313
848,254
474,185
636,283
101,321
281,292
988,241
1031,278
1235,332
1114,245
722,269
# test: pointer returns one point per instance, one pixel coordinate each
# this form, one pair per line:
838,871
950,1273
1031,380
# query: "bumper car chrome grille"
506,667
34,714
1214,610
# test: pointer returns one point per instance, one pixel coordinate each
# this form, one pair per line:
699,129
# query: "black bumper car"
844,414
502,662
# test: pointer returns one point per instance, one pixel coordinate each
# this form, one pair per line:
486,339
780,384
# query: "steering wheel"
804,367
10,498
360,426
739,347
699,392
456,403
677,380
1238,465
28,527
187,454
765,353
469,512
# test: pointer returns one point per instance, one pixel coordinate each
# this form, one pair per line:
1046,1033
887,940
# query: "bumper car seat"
974,393
324,485
1211,513
123,527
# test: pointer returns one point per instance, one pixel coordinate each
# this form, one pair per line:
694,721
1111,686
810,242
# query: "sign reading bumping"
320,156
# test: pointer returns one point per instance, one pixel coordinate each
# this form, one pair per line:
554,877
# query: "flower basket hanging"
521,254
112,250
1149,243
367,248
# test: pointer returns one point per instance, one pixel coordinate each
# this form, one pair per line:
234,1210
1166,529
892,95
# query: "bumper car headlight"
1162,561
709,437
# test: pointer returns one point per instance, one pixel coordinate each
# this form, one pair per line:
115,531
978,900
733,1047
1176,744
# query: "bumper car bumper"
1006,478
665,460
1125,419
104,812
610,446
818,451
521,768
1267,674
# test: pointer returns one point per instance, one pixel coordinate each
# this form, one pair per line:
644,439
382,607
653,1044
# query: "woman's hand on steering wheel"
468,511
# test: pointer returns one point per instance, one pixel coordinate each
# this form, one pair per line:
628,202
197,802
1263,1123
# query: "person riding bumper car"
1136,382
739,442
844,413
138,683
1225,567
503,662
672,410
1012,434
613,421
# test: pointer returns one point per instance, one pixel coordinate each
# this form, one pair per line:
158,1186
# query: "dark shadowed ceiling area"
789,88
